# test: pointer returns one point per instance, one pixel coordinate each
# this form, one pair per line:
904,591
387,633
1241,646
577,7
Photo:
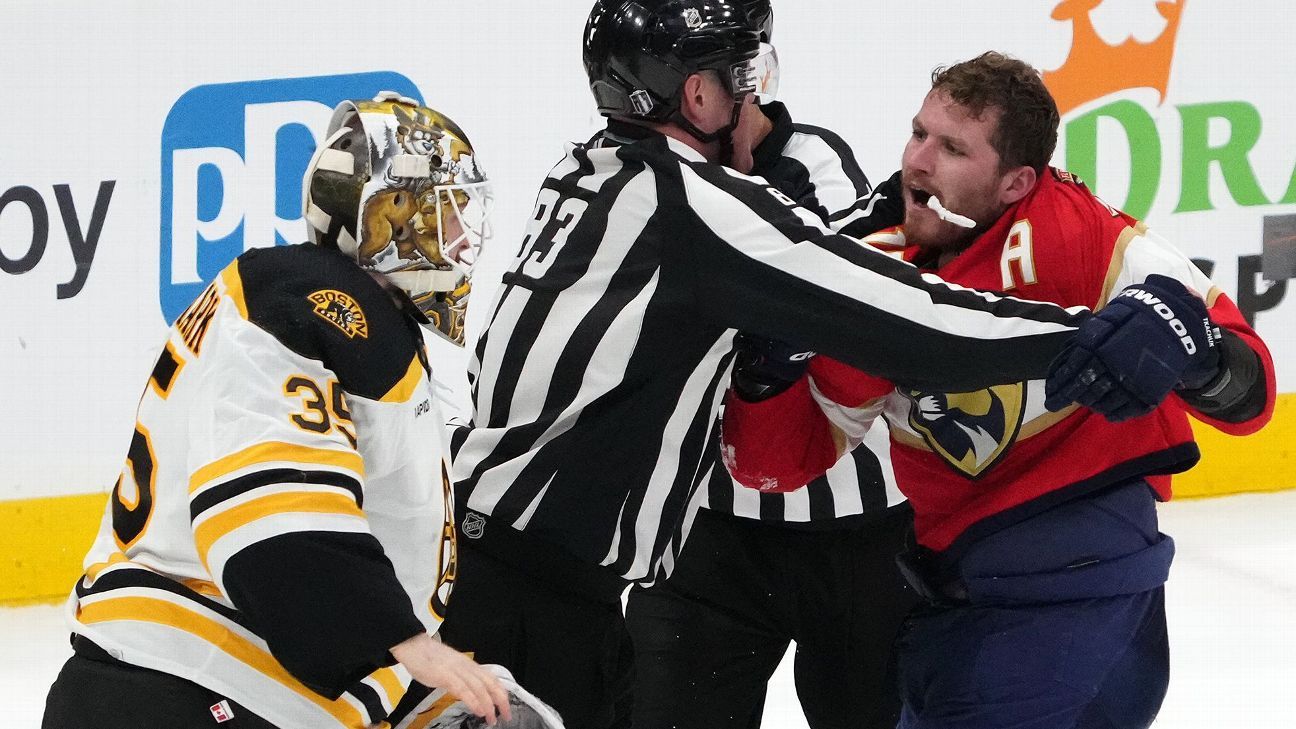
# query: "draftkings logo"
1096,70
233,156
1105,84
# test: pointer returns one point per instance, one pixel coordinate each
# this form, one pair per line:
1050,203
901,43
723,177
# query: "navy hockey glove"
765,367
1150,338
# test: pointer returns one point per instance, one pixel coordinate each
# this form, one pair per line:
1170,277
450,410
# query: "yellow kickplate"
44,542
1264,461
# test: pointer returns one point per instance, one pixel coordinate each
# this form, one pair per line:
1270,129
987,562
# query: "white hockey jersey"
283,517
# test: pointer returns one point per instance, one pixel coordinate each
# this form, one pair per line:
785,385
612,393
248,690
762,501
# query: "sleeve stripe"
402,391
1116,264
1139,252
890,240
843,154
92,572
275,452
161,612
209,531
391,685
133,579
234,488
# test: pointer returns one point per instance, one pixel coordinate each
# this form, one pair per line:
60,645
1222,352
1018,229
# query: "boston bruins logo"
341,311
970,431
448,566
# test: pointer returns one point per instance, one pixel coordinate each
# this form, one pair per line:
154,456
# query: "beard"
924,228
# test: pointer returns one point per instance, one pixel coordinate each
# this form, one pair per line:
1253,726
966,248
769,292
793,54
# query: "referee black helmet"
639,52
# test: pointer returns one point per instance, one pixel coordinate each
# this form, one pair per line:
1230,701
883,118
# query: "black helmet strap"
724,134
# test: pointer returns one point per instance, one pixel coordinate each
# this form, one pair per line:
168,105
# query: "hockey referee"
816,565
597,381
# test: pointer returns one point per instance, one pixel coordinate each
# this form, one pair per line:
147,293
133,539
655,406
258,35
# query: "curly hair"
1028,116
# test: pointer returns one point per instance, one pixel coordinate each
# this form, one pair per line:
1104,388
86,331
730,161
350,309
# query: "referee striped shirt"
816,168
597,381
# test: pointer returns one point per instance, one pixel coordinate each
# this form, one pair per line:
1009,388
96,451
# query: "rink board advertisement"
148,147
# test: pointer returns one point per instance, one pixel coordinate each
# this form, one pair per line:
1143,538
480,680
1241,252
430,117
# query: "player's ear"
693,97
1015,183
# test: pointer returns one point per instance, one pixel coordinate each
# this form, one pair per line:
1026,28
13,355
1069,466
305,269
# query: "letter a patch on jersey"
341,311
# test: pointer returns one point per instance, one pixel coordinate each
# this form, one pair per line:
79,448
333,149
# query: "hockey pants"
1056,622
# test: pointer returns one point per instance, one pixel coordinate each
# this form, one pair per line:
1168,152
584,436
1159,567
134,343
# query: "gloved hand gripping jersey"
1150,338
765,367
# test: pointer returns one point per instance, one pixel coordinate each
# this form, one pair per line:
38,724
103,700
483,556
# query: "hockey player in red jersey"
1037,543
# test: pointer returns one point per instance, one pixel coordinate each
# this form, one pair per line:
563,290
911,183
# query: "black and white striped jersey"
596,383
816,168
810,164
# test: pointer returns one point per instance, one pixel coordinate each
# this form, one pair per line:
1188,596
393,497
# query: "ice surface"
1231,601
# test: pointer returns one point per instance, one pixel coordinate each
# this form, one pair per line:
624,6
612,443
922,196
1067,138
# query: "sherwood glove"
1150,338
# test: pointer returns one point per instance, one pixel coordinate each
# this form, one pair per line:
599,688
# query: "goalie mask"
397,186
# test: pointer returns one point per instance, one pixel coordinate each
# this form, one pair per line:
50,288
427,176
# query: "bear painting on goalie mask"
404,213
396,185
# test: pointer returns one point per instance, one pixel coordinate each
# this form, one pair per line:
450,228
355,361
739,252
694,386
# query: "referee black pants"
708,639
570,650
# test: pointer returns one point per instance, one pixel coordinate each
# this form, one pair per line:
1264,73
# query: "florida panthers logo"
341,311
970,431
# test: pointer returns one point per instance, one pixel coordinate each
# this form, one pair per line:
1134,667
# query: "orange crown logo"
1096,68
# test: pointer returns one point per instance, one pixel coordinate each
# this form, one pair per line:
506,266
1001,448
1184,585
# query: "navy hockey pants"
1056,622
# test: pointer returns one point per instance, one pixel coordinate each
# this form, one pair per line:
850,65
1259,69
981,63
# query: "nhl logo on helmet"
341,311
641,101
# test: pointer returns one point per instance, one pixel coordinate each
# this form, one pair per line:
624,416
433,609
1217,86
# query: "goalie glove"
529,712
1150,338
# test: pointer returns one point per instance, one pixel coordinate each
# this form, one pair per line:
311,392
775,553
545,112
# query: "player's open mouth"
919,196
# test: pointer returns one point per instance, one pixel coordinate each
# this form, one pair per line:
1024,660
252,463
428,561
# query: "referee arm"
763,265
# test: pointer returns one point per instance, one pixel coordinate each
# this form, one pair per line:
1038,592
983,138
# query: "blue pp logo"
233,156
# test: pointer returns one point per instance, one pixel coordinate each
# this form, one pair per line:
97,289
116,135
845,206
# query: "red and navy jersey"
970,462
